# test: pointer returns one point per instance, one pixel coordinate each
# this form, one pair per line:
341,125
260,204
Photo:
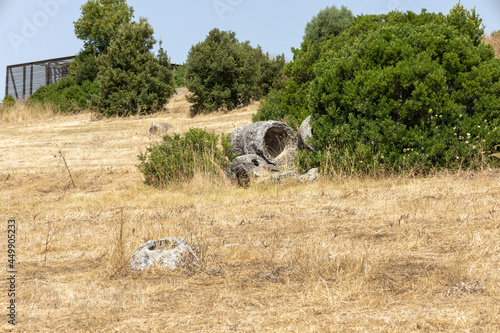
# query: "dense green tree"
400,91
131,79
84,67
288,101
65,95
99,22
329,21
224,73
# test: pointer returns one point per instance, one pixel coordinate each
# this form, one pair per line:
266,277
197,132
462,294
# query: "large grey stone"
170,253
286,160
268,139
244,168
305,133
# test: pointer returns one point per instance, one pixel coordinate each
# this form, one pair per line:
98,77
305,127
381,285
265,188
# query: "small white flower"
468,134
466,141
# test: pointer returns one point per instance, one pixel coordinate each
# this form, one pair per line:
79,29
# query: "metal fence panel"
22,80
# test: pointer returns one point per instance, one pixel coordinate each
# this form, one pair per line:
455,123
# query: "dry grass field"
494,41
395,254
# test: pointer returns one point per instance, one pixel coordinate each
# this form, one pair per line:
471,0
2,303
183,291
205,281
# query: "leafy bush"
8,101
180,76
131,79
65,95
178,158
329,21
396,92
419,91
288,102
84,67
224,73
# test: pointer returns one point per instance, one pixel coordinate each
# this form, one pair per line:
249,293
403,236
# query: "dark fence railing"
22,80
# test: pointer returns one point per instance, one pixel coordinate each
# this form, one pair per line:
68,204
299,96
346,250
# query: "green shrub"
329,21
397,92
224,73
8,101
288,101
416,92
180,76
178,157
65,95
84,67
131,79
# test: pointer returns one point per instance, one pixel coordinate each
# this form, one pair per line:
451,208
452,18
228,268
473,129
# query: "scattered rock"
310,175
278,178
170,253
305,133
268,146
246,167
268,139
286,159
156,128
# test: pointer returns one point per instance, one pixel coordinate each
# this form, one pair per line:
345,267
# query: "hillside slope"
395,254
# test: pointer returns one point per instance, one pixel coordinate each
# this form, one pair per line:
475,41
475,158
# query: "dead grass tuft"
20,112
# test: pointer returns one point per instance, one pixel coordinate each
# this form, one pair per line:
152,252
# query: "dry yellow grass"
394,254
494,41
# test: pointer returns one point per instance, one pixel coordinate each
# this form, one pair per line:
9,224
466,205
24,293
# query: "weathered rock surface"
268,139
286,159
305,133
246,167
310,175
156,128
170,253
279,177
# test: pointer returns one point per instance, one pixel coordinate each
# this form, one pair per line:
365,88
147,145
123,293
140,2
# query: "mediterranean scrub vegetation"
395,92
179,158
225,73
116,72
131,79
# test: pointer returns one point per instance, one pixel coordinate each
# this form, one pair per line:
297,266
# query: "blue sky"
32,30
